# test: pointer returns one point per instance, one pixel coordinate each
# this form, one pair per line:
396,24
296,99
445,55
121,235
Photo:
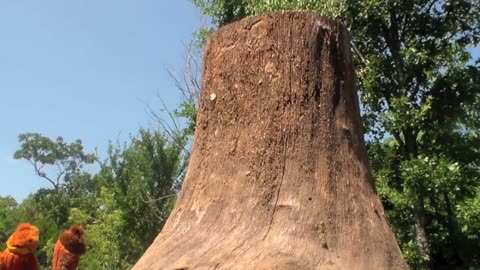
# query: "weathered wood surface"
278,177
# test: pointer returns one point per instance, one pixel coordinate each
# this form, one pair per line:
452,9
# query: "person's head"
25,236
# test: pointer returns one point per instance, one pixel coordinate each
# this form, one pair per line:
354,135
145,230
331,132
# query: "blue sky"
84,69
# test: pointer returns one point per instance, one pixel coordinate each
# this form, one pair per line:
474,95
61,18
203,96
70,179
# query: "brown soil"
278,177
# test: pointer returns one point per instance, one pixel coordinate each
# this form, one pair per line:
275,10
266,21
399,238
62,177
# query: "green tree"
104,233
67,159
138,183
64,162
8,218
123,206
418,91
144,177
420,102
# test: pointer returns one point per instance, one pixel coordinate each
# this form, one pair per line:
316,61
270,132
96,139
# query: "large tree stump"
278,177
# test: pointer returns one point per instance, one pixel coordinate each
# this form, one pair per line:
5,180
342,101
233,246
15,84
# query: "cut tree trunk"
278,177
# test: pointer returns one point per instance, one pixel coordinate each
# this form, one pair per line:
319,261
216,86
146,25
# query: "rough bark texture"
278,177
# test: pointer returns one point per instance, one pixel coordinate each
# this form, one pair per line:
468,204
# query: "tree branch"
42,174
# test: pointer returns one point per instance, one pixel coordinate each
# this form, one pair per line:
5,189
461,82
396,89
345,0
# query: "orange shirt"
12,261
64,259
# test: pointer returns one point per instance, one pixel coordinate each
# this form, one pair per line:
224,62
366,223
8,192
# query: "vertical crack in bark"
285,132
337,69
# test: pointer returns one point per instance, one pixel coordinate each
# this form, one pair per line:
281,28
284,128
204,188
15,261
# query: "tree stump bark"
278,177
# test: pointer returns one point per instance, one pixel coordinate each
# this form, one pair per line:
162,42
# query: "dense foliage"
123,205
419,90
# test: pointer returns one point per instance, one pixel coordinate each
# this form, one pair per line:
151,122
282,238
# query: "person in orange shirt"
20,251
68,249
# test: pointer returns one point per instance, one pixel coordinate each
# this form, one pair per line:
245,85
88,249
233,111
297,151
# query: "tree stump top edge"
249,23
